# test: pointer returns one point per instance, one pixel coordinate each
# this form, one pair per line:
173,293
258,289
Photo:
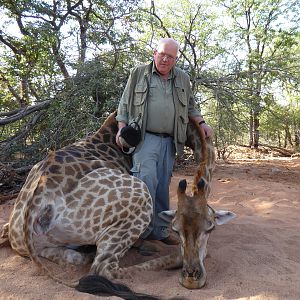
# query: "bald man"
158,95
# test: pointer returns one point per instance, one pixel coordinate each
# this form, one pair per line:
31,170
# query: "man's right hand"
120,125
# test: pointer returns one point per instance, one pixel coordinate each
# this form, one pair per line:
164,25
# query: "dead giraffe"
194,219
82,195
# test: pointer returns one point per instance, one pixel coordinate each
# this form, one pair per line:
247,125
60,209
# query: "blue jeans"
153,163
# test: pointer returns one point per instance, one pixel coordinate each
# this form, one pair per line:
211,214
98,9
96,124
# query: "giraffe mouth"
194,280
192,283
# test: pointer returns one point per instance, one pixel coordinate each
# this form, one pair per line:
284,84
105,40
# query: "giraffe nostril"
190,274
195,274
184,273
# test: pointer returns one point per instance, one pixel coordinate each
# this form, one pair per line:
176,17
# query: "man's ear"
223,216
167,215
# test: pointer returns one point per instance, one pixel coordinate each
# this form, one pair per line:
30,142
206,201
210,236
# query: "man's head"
165,55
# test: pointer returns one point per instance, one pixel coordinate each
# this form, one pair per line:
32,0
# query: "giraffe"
194,219
83,194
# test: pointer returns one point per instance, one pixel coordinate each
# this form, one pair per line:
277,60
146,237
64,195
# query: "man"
158,96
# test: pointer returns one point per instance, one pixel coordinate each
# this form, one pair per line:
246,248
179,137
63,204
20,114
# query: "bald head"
165,56
169,42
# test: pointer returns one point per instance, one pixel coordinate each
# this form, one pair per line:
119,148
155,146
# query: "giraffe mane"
204,157
110,120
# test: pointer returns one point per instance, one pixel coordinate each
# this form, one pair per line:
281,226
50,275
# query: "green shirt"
160,108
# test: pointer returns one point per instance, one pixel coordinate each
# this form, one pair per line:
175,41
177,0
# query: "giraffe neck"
201,170
104,140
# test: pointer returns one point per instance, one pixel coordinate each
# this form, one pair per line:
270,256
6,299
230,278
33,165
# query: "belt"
163,135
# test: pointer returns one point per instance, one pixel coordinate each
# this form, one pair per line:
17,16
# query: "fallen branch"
24,169
23,112
22,133
283,151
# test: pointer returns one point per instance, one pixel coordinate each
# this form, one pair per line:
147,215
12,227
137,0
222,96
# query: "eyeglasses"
166,56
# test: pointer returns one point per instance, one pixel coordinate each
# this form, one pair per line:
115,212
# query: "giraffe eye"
210,228
174,227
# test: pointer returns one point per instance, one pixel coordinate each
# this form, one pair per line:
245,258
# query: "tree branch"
153,13
22,133
10,88
21,113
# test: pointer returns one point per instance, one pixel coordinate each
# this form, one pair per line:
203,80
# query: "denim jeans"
153,163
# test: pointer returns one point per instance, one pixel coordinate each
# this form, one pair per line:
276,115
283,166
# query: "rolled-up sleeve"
122,112
192,111
122,115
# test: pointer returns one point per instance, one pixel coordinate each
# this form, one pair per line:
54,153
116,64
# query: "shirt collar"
154,70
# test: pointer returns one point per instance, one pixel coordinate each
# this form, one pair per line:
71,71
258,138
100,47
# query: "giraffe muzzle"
195,279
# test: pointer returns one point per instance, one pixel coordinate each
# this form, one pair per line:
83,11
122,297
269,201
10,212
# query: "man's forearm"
198,119
121,125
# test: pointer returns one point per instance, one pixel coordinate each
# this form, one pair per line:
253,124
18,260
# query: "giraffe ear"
223,216
167,215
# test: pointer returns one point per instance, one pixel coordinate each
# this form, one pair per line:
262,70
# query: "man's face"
165,57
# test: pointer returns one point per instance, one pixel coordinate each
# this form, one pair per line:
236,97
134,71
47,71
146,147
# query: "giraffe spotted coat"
82,195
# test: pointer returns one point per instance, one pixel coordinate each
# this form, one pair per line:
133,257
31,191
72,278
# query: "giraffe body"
83,194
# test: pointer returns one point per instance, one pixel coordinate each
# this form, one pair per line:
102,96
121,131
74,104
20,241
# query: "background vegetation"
64,64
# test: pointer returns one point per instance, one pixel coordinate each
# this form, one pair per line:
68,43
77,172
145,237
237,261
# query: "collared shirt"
133,103
161,110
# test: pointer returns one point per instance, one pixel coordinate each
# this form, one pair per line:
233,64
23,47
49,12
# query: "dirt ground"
255,256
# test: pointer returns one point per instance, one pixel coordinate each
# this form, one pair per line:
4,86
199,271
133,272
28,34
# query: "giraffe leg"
106,262
111,247
4,231
4,241
62,255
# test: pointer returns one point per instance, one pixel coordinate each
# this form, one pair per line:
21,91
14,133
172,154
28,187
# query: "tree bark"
251,141
256,130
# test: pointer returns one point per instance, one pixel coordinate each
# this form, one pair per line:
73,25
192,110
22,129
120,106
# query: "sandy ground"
255,256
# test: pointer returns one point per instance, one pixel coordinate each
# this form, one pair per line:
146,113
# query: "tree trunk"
253,130
297,137
251,141
279,138
288,137
256,130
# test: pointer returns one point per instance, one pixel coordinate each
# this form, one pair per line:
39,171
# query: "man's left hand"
207,130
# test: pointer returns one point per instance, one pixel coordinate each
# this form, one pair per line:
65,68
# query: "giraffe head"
194,219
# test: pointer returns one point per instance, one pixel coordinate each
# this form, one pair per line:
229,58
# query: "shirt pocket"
182,126
140,94
182,96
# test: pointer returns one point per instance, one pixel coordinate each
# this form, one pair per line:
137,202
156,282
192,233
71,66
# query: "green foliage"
43,62
242,58
77,109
